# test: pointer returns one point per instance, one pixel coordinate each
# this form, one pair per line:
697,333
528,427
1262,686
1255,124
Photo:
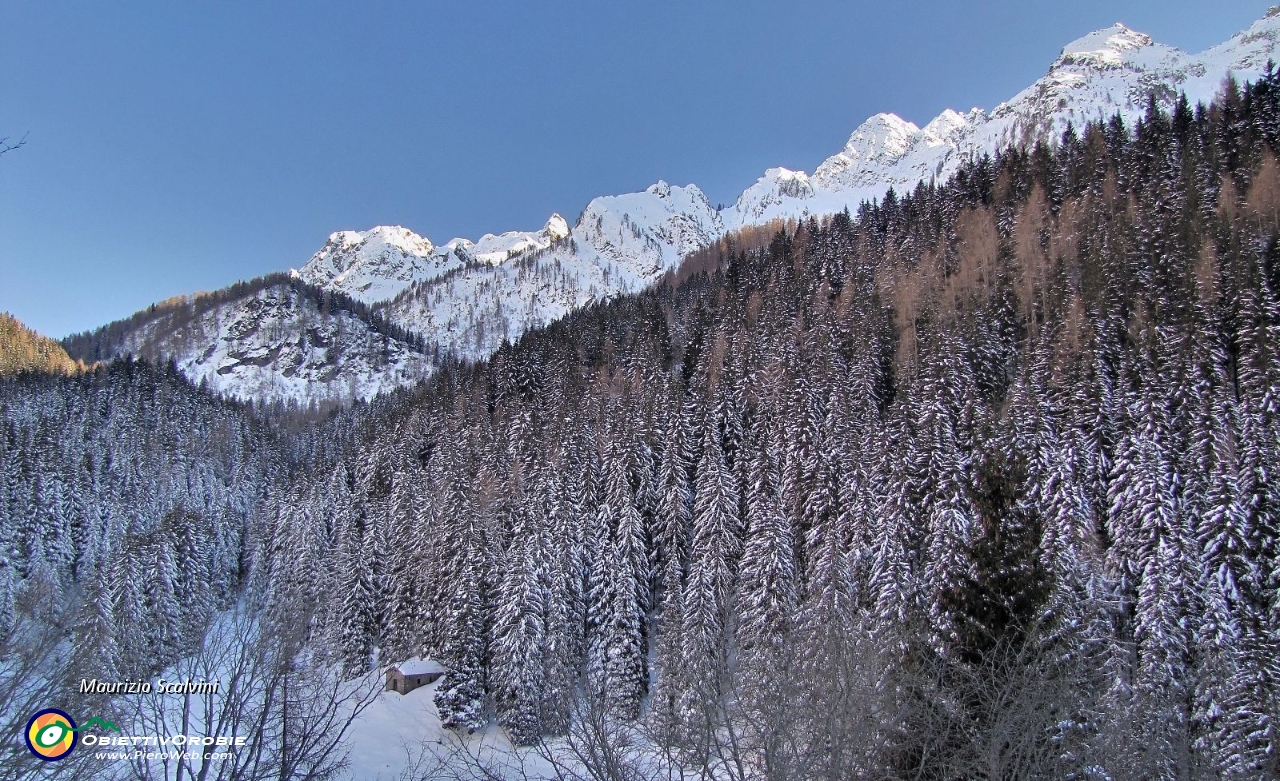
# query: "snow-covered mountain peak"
557,228
773,195
659,188
1248,50
380,263
494,249
371,265
375,241
885,151
879,142
946,125
1106,47
1266,27
458,245
793,182
396,236
882,134
652,229
1108,71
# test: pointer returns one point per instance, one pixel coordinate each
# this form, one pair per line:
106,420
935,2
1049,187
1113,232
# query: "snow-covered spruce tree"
95,636
673,533
460,698
352,625
706,601
599,555
808,482
622,570
674,512
946,391
9,574
565,602
164,614
1157,561
198,583
405,569
767,604
520,638
1231,729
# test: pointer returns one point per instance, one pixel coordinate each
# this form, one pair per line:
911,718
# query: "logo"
51,733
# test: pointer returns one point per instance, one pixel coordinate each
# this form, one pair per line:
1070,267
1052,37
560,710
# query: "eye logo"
51,734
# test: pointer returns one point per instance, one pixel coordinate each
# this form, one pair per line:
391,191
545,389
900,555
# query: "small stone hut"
407,676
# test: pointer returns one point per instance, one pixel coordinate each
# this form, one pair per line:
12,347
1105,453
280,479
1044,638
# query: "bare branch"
6,146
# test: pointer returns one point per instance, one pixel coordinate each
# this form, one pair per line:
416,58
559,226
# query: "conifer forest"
978,481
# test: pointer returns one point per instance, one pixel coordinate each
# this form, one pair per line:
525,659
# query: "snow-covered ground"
399,736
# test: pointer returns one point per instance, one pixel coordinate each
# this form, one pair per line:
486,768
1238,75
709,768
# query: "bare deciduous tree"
294,714
34,664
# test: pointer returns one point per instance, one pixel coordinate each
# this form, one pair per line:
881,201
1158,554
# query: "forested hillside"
107,476
974,483
22,349
125,496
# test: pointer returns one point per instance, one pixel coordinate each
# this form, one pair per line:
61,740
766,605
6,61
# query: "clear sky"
180,146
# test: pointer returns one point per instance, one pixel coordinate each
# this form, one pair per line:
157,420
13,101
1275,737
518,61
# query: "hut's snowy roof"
419,667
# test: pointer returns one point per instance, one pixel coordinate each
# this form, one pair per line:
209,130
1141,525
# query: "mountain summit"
1105,47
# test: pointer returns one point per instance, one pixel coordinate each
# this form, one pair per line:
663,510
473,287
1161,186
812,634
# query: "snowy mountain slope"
620,244
647,233
277,341
493,249
1107,71
475,310
650,231
277,345
471,296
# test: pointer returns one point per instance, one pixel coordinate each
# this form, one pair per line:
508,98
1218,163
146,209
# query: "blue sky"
180,146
